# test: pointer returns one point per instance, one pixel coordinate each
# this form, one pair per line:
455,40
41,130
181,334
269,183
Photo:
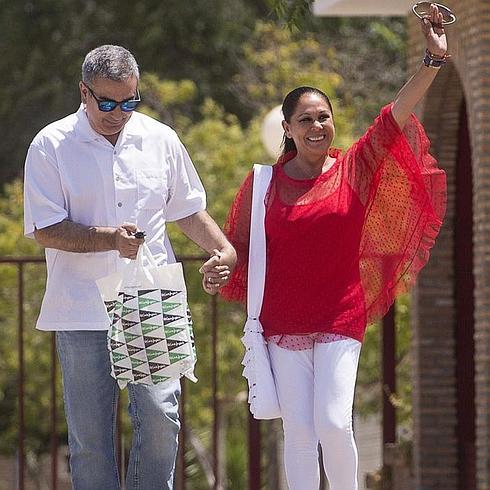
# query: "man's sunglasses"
107,105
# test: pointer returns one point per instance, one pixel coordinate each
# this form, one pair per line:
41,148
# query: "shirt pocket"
152,188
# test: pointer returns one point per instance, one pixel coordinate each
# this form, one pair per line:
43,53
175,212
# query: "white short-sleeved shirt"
74,173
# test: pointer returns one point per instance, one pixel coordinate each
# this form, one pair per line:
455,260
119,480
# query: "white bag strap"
144,252
256,258
133,268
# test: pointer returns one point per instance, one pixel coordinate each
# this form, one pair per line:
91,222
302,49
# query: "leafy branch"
293,12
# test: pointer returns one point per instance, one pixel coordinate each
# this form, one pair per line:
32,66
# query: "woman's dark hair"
289,106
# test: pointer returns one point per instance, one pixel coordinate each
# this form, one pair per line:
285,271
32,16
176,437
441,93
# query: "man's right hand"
126,243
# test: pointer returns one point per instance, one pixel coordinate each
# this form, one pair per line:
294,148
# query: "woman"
345,235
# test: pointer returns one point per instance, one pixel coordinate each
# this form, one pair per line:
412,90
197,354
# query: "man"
92,180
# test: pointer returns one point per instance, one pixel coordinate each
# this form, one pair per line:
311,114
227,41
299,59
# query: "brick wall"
435,444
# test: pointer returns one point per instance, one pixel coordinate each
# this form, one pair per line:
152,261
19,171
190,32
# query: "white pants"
316,393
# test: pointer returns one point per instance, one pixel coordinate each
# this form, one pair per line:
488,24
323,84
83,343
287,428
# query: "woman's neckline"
283,159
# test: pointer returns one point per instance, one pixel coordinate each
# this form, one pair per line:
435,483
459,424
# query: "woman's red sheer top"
341,246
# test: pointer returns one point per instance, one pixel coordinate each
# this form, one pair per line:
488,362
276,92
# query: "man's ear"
83,92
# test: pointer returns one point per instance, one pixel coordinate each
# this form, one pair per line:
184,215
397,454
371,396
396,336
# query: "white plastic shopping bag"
150,338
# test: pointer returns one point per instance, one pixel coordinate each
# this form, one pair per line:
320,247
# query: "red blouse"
341,246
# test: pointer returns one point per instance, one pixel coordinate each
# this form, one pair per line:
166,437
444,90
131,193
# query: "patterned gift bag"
150,338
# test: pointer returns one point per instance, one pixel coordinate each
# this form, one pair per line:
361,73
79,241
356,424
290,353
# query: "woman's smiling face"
311,126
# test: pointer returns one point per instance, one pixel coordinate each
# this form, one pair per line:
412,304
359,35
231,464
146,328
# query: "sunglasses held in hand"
108,105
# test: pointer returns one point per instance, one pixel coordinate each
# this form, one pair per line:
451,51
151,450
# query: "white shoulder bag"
262,395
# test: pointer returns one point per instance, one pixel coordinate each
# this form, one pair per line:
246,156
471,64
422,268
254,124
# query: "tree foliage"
293,12
43,44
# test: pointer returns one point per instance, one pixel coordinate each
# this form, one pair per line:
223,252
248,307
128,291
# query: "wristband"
432,61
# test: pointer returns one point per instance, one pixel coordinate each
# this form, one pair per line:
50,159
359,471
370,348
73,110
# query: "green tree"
43,44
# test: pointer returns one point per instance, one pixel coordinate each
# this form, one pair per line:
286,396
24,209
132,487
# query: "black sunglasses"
107,105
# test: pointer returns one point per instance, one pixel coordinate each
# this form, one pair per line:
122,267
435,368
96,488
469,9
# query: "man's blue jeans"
91,396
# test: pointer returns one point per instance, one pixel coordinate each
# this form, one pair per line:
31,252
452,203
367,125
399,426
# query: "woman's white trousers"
316,394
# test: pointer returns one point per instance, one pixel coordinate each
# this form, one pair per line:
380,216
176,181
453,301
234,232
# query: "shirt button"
119,204
118,178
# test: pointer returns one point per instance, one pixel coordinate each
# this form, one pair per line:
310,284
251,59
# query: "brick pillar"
435,444
434,356
478,62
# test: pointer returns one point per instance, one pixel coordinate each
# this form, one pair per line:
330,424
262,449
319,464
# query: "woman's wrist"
435,60
439,55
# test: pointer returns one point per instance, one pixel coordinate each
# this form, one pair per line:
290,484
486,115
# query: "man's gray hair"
113,62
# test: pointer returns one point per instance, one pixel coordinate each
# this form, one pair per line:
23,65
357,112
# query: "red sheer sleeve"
405,196
237,229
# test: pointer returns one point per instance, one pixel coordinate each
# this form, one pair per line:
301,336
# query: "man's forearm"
204,231
74,237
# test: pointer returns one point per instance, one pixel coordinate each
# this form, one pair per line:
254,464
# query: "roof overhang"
348,8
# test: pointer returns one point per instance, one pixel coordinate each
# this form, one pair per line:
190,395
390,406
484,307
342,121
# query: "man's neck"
112,138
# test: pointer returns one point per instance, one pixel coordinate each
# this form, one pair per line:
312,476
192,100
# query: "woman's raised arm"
435,56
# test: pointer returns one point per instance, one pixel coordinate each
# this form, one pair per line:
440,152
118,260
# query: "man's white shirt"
74,173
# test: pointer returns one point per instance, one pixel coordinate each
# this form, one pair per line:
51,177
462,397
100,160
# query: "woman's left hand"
215,273
434,33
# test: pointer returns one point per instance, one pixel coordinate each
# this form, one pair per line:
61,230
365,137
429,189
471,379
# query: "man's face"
108,124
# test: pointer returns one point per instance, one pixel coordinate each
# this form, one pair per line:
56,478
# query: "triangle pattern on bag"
145,302
119,372
141,355
122,349
138,342
168,306
146,315
134,330
174,357
168,293
136,362
171,331
123,363
141,377
159,379
175,344
153,354
116,345
130,337
127,324
127,297
148,328
171,318
144,292
143,368
127,311
134,350
155,367
156,334
110,305
118,357
155,343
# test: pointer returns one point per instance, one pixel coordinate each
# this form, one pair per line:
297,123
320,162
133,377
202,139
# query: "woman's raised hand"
434,32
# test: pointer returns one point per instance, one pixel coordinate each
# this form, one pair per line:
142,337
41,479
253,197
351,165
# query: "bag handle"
262,175
144,252
135,268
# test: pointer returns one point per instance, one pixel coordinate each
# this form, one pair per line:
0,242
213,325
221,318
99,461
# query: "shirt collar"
86,133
